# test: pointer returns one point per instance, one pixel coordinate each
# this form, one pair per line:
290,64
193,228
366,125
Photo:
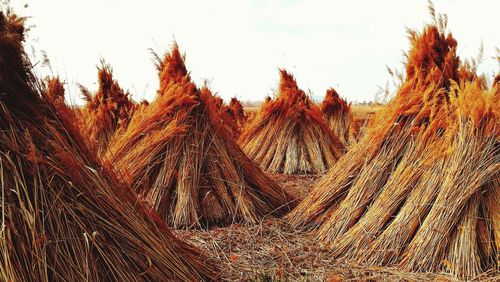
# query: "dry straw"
420,189
55,95
185,162
338,115
224,116
64,216
289,134
107,111
236,111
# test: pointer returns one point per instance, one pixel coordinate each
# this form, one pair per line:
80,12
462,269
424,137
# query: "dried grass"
65,217
185,163
107,111
409,193
289,134
55,95
224,115
237,113
338,115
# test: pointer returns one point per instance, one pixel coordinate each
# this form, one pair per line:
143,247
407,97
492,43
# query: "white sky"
239,45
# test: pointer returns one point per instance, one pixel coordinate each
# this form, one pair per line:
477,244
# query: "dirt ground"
273,251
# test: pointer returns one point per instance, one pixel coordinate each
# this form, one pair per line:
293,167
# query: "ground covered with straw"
272,250
176,190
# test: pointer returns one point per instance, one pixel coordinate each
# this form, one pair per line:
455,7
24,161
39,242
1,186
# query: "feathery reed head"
171,69
107,111
55,88
432,56
236,111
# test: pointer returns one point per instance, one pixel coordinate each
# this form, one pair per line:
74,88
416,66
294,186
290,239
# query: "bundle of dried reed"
338,115
237,113
185,162
289,134
65,217
223,113
105,112
410,192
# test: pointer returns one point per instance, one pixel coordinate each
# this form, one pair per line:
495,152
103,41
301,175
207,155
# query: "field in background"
362,113
252,109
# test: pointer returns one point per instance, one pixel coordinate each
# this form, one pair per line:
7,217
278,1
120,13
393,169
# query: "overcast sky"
239,45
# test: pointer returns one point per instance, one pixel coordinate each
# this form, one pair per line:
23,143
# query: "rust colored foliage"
338,115
107,111
184,162
289,134
424,179
66,217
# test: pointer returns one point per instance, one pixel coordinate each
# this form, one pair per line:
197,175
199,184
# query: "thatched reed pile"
236,111
289,134
223,115
107,111
185,162
338,115
64,216
55,90
420,189
55,95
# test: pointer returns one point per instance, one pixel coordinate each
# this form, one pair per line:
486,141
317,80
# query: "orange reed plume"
55,90
237,113
65,217
338,115
224,116
171,69
404,195
184,161
289,134
109,110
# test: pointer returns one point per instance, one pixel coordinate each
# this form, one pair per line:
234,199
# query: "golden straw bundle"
289,134
224,116
105,112
237,113
185,162
65,217
416,191
338,115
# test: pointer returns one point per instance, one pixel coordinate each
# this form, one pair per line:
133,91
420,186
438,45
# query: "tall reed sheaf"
236,111
184,161
55,95
64,216
420,189
224,116
289,134
338,115
107,111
